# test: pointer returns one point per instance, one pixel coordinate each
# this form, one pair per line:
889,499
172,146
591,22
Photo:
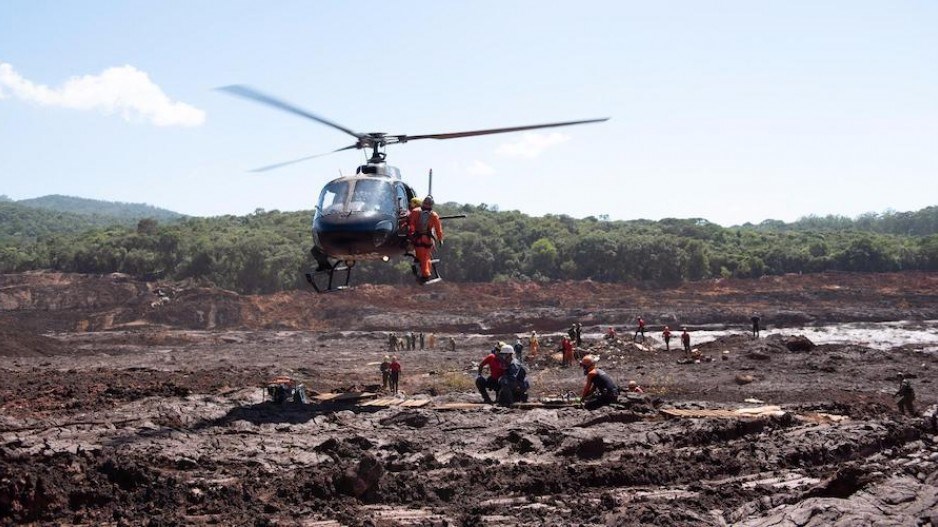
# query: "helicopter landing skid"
325,280
434,272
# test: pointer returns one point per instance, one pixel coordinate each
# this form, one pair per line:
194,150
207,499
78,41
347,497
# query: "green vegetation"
126,213
268,251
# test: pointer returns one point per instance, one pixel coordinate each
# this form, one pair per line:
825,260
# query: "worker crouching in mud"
507,377
513,384
496,370
600,389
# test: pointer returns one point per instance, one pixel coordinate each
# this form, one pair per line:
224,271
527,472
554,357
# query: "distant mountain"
126,213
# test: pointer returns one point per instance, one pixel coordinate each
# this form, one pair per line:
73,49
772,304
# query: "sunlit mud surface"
164,425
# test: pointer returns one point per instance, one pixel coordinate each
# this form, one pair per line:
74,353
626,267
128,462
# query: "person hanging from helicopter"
425,230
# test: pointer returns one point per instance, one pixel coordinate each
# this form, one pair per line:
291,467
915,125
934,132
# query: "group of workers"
507,376
390,373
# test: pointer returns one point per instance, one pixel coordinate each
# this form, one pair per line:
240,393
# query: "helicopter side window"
401,199
372,195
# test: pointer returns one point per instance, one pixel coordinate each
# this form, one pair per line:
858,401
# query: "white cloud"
124,90
478,168
531,144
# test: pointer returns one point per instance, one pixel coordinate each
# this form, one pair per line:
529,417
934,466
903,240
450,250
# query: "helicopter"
365,216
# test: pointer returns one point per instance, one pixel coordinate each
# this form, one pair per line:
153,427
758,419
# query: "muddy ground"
119,408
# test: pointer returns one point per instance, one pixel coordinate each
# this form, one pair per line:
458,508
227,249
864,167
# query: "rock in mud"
359,480
411,419
592,448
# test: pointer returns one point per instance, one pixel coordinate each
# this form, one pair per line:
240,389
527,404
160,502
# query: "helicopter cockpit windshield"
362,196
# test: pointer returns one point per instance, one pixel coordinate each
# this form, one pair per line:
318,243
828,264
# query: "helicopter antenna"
430,186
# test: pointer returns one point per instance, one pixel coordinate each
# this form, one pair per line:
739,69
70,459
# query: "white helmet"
506,350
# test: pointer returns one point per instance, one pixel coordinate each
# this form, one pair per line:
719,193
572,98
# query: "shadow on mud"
269,412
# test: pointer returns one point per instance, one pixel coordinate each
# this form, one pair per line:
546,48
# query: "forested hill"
268,251
127,213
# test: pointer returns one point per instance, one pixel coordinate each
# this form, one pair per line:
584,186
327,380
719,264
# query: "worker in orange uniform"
533,344
667,338
566,350
425,230
600,389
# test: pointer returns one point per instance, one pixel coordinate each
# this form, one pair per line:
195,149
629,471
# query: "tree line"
267,251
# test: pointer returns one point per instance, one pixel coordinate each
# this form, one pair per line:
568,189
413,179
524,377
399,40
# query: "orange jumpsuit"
424,227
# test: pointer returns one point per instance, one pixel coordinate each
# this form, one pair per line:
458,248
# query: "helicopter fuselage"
363,217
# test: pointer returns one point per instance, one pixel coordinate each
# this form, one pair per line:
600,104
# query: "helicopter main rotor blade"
285,163
405,138
254,95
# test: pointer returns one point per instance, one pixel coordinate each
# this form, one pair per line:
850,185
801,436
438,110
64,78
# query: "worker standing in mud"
578,334
431,341
519,349
905,396
452,344
395,379
755,326
600,389
385,369
640,330
566,351
685,340
666,334
533,344
496,370
420,336
392,342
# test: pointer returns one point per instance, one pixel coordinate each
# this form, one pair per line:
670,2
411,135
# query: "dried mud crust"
161,419
136,434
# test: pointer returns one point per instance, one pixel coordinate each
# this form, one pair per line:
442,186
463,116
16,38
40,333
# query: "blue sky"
729,111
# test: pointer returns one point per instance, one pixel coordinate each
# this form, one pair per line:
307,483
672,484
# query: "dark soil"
116,411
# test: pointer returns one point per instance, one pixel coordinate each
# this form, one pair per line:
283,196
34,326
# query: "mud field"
122,406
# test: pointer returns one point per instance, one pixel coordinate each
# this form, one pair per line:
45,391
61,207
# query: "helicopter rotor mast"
374,140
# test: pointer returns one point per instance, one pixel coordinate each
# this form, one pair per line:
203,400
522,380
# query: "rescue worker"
392,342
635,388
600,389
421,339
425,229
611,333
385,372
667,338
905,396
496,370
685,340
452,344
395,379
533,344
641,329
755,326
579,334
431,341
566,350
513,384
572,332
415,203
519,349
